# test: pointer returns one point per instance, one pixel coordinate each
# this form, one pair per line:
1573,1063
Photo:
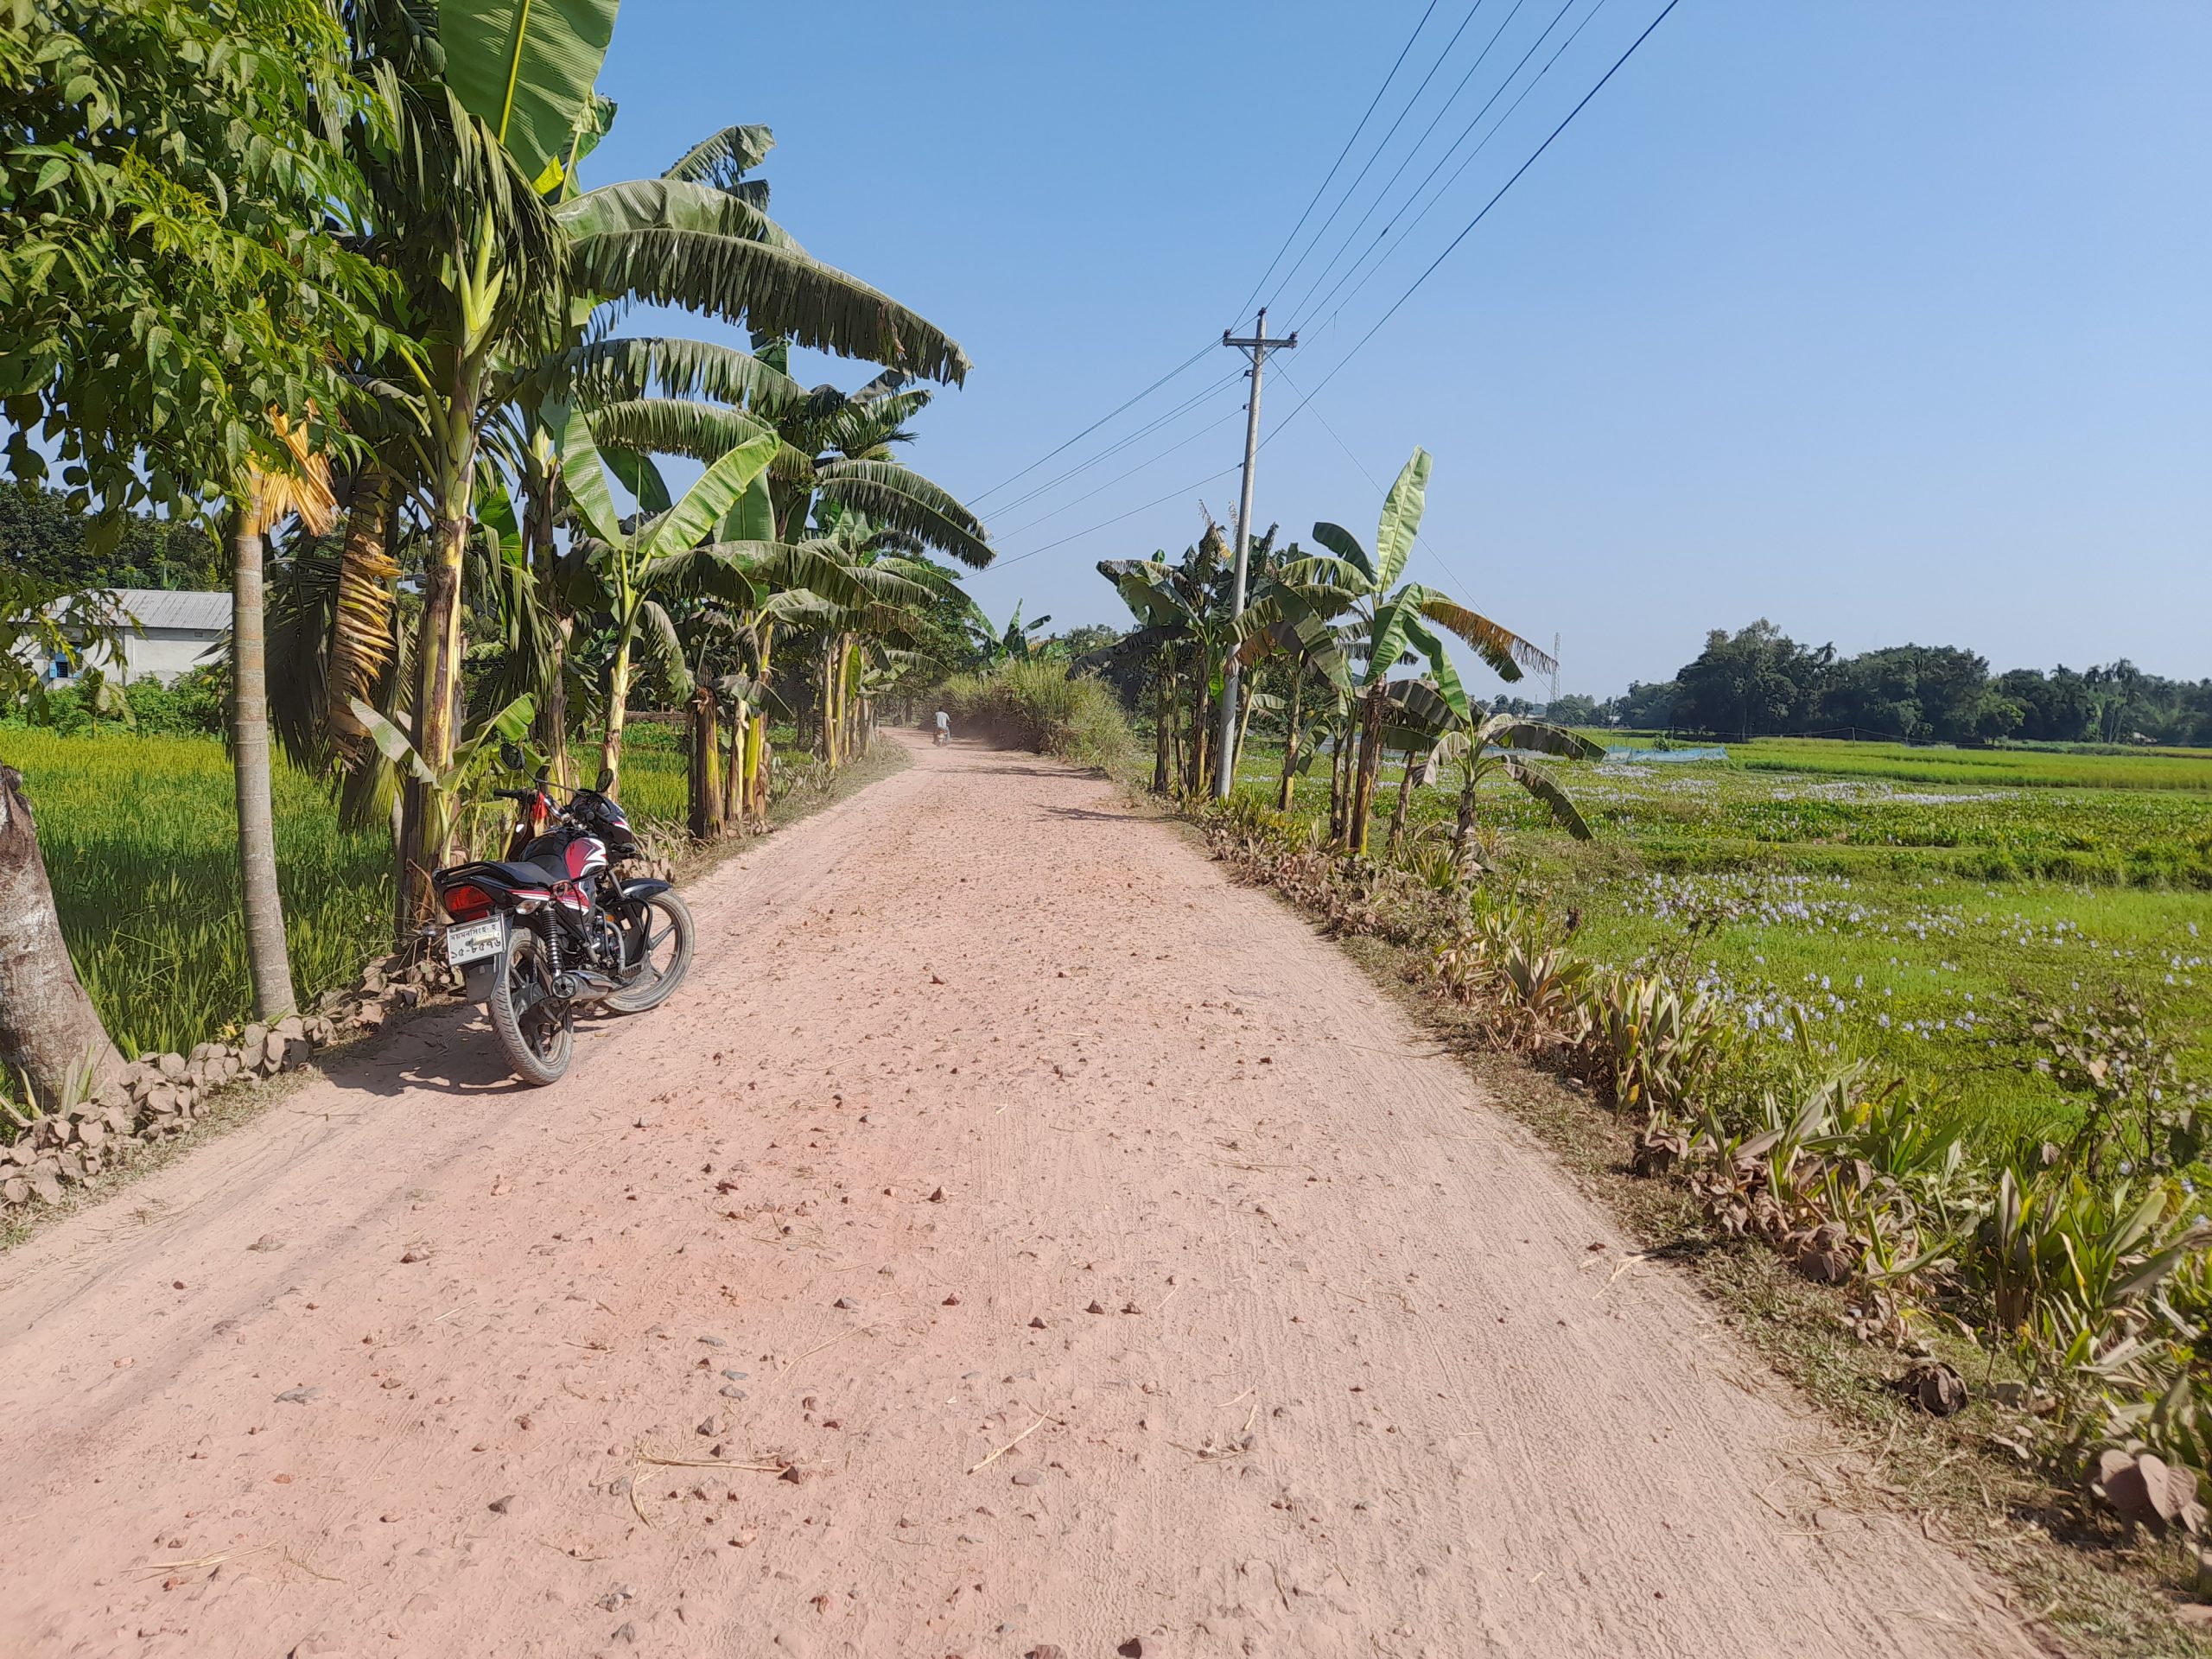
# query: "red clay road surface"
1113,1270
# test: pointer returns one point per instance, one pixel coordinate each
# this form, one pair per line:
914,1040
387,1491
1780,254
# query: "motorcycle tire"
537,1031
656,985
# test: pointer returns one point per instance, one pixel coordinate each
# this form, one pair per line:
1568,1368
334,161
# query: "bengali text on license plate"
470,941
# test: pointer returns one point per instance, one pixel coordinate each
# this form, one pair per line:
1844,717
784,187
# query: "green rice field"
140,835
1905,916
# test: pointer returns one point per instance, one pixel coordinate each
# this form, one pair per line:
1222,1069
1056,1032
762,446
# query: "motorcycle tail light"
465,903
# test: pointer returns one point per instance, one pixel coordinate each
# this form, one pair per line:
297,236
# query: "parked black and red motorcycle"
550,930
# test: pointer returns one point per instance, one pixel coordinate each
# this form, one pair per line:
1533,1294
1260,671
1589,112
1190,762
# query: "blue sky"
1888,321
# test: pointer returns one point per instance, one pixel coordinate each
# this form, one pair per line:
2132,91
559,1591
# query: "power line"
1100,421
1144,431
1180,444
1303,307
1353,190
1321,189
1468,229
1376,485
1497,127
1200,484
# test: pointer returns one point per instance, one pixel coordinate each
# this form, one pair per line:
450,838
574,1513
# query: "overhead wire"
1105,523
1304,308
1376,485
1096,424
1307,399
1353,190
1182,443
1321,189
1211,390
1467,229
1414,223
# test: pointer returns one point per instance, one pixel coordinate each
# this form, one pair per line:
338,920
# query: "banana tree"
1390,623
1462,735
994,645
636,557
446,786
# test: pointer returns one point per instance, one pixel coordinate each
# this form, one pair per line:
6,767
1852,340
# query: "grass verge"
241,1104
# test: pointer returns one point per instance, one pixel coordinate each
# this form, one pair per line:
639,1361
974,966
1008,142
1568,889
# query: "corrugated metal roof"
158,607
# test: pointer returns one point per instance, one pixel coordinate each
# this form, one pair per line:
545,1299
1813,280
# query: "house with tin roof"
170,634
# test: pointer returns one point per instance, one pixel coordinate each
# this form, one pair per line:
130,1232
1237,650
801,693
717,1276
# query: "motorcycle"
550,930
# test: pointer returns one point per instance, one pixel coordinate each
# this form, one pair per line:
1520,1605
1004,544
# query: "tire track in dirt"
1365,1375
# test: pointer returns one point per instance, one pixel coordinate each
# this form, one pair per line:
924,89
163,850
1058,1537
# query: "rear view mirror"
512,758
606,780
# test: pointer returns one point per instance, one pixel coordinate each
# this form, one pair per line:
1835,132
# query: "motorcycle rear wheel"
537,1030
665,950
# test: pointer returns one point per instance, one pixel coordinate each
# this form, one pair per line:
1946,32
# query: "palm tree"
1389,622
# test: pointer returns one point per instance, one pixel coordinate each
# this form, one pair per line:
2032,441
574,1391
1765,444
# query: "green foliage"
1759,681
42,536
527,70
1040,706
195,705
140,834
167,276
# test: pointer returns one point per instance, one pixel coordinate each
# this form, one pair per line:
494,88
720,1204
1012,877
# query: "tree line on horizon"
1758,682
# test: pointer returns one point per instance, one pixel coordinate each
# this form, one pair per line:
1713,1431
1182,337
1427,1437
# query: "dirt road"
1113,1269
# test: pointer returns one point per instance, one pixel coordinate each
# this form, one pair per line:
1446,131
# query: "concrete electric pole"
1259,346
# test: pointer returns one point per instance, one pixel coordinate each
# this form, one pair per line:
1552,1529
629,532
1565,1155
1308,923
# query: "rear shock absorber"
548,935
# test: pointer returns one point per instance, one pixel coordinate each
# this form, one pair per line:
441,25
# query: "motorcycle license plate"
467,942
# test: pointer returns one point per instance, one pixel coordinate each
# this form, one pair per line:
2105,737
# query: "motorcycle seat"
525,873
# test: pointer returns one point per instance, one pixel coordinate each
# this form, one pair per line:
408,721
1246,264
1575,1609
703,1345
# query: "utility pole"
1547,707
1259,346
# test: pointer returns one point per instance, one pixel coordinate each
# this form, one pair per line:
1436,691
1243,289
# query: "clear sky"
1887,321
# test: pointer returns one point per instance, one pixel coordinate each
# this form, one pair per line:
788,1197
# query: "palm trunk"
760,761
553,700
49,1033
733,771
756,768
363,625
1175,733
266,957
1289,784
1341,756
1195,783
1164,737
1464,824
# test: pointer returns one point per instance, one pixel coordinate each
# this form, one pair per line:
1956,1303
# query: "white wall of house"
175,633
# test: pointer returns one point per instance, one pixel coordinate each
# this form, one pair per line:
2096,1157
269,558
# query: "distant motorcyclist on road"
944,728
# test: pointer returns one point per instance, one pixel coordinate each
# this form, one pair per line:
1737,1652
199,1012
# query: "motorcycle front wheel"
535,1029
656,937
